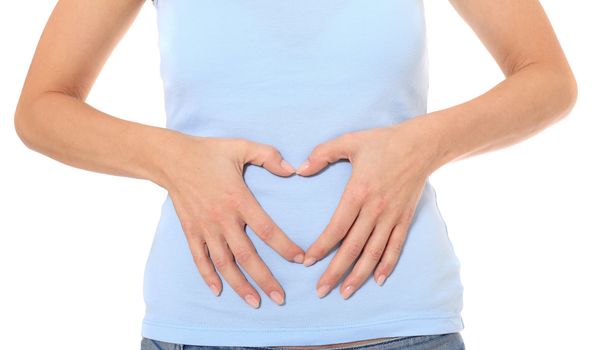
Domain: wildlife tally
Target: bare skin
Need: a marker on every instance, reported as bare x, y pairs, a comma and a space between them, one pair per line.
389, 165
53, 118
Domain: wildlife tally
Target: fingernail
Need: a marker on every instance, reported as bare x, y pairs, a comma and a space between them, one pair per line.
323, 290
309, 261
277, 297
287, 166
381, 280
347, 291
303, 167
251, 300
214, 289
299, 258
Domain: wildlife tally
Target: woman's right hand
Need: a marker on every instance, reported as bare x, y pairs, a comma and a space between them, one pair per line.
206, 184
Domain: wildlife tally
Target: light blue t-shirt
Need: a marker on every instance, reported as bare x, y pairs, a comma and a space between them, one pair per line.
294, 74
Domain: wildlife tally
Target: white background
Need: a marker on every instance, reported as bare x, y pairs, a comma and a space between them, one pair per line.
73, 243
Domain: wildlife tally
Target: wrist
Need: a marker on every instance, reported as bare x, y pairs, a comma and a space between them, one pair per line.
167, 146
438, 137
432, 139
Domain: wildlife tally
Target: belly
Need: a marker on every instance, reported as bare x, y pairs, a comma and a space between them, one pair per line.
425, 281
341, 66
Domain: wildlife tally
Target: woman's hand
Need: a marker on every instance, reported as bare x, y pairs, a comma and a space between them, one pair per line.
213, 204
389, 169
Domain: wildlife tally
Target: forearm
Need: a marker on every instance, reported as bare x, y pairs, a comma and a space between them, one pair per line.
68, 130
523, 104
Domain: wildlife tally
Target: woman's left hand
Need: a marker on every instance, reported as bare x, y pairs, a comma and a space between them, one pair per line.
389, 169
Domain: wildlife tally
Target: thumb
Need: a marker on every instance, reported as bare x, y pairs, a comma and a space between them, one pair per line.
268, 157
324, 154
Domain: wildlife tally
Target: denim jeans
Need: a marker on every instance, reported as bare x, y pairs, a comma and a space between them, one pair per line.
449, 341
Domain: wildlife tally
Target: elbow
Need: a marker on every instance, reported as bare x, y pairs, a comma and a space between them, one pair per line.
566, 91
24, 120
32, 115
20, 123
572, 91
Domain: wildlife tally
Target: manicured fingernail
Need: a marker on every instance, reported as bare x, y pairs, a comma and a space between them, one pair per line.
309, 261
251, 300
277, 297
381, 280
347, 291
299, 258
287, 166
214, 289
322, 290
303, 167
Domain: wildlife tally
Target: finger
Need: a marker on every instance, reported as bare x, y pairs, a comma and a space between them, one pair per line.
268, 157
339, 224
392, 251
261, 223
247, 256
348, 252
370, 257
223, 260
326, 153
200, 254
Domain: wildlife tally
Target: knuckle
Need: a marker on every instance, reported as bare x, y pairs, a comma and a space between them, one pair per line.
379, 205
266, 281
349, 136
408, 215
241, 142
334, 275
376, 253
193, 228
356, 277
387, 264
244, 255
317, 252
317, 150
384, 268
267, 230
188, 226
220, 262
288, 251
245, 150
198, 258
396, 248
358, 192
352, 250
215, 214
270, 151
344, 138
318, 153
234, 198
336, 231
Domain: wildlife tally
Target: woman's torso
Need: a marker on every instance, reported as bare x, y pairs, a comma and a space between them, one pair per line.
293, 75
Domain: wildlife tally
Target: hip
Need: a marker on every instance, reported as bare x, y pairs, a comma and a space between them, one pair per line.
447, 341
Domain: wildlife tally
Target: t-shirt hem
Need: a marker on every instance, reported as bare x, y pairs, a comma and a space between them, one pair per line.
192, 335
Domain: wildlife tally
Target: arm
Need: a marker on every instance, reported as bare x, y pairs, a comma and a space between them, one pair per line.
52, 117
539, 88
390, 164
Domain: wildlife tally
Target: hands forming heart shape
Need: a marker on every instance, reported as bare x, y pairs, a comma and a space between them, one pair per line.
389, 168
